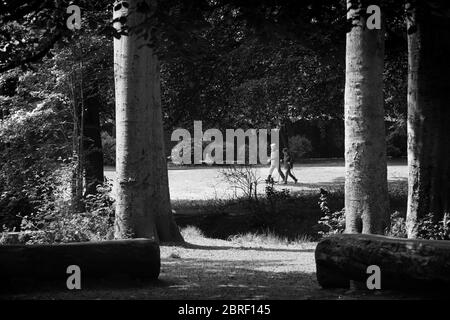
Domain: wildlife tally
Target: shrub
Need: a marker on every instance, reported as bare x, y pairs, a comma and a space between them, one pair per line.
13, 206
300, 146
330, 222
62, 225
397, 226
428, 228
396, 139
275, 197
244, 178
109, 149
267, 211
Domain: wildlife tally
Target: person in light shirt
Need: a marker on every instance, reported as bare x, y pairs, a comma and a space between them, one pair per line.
274, 163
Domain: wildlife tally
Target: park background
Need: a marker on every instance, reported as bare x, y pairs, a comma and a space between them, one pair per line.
229, 65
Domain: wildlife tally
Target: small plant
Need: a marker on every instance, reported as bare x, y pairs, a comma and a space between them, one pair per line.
398, 226
275, 197
192, 233
63, 225
266, 212
330, 222
431, 230
244, 178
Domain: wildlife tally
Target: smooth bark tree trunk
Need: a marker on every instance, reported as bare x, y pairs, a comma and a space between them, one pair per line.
428, 113
92, 145
366, 195
142, 191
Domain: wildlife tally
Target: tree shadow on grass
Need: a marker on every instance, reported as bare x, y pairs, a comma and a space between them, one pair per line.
336, 183
261, 279
189, 279
57, 289
188, 245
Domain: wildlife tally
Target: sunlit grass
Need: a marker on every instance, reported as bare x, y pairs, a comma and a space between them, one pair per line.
266, 238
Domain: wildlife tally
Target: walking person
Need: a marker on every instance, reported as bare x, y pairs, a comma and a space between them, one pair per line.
288, 162
274, 163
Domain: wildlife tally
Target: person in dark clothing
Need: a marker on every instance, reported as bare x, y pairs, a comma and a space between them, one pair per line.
288, 165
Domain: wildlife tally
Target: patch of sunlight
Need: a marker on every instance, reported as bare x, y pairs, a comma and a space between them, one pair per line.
267, 239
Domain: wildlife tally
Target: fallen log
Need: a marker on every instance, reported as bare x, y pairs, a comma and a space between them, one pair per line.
137, 258
404, 263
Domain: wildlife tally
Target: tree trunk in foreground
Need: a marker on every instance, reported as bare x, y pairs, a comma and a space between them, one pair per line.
428, 114
142, 192
366, 196
404, 264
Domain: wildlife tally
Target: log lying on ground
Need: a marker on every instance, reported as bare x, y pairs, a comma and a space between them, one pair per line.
404, 263
137, 258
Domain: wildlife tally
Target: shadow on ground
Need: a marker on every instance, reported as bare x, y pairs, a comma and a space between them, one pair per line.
215, 272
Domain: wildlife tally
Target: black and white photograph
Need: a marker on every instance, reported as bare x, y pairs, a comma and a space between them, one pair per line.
222, 155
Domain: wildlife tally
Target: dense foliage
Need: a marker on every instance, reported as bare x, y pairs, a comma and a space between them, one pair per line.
231, 64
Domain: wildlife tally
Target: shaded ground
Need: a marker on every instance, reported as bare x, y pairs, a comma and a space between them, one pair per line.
200, 183
217, 269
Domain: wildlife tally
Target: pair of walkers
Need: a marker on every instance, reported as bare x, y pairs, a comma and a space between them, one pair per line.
275, 163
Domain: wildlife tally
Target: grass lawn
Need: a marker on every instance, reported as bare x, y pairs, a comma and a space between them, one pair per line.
206, 183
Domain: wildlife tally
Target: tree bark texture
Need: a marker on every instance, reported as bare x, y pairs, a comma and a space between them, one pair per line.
366, 195
142, 191
428, 113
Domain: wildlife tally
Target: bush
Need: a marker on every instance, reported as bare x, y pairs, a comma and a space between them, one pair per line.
396, 139
300, 146
398, 226
13, 206
267, 211
62, 225
330, 222
109, 149
334, 222
244, 178
429, 229
275, 197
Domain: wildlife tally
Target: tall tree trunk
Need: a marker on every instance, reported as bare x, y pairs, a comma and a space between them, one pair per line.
142, 192
77, 172
428, 112
366, 196
92, 146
